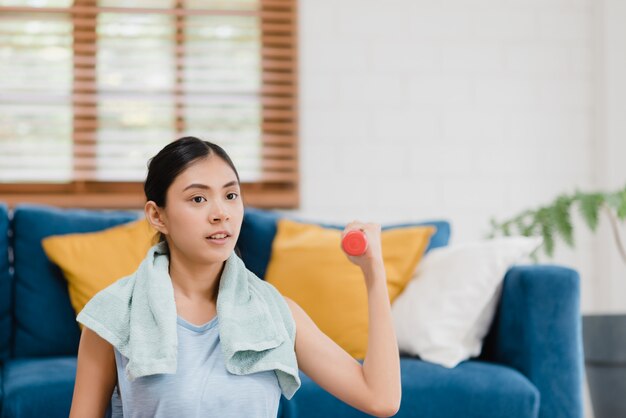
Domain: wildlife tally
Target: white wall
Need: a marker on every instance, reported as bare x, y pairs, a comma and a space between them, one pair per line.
460, 110
611, 155
463, 110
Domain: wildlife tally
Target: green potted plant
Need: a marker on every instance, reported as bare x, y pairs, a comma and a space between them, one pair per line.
604, 336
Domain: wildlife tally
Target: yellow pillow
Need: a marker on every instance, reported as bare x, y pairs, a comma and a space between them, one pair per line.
92, 261
308, 265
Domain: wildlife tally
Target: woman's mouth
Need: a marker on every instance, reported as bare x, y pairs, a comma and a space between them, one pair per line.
218, 239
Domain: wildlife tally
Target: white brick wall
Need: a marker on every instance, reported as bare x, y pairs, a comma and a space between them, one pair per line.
611, 149
459, 109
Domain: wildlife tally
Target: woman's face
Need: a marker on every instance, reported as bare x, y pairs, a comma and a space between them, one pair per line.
203, 200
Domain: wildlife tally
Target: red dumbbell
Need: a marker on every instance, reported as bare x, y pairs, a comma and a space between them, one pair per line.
354, 243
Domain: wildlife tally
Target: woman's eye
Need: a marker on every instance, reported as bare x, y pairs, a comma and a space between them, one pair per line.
230, 194
195, 199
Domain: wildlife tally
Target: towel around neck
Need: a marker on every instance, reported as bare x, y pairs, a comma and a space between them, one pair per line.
137, 315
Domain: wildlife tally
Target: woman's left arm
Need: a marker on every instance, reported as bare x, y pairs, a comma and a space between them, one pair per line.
381, 366
374, 387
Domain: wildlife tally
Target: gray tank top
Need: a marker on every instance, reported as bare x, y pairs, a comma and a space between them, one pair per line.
201, 386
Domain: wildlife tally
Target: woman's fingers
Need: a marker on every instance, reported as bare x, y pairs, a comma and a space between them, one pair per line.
363, 226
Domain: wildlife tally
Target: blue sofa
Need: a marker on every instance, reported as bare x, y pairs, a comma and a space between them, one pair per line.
531, 364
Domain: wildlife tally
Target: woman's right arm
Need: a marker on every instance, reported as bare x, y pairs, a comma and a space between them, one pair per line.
96, 376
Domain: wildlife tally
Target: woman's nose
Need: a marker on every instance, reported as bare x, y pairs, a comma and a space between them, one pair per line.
218, 212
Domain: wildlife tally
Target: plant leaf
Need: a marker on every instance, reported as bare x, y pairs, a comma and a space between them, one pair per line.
529, 229
621, 207
589, 205
561, 217
556, 217
544, 221
521, 227
494, 228
548, 240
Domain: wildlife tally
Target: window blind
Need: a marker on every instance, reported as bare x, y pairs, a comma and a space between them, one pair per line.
90, 90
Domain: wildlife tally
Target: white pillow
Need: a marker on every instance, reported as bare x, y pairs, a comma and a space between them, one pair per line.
447, 307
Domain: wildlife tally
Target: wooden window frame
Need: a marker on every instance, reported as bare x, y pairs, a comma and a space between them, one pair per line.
279, 183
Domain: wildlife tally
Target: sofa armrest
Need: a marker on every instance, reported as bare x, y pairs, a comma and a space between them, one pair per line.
1, 386
537, 330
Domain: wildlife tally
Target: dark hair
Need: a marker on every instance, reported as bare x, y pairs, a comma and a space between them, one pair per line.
172, 160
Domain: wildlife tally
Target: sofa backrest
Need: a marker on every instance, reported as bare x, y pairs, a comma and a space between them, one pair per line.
6, 320
259, 228
45, 323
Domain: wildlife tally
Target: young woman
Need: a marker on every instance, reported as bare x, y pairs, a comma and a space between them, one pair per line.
192, 188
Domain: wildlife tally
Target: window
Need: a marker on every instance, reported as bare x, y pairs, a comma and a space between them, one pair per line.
90, 90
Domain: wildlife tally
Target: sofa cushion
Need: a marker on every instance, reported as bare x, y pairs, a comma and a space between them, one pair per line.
45, 321
85, 259
5, 286
309, 266
38, 387
259, 228
432, 330
473, 388
255, 238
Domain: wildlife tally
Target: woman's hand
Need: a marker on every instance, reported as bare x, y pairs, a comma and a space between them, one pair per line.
372, 260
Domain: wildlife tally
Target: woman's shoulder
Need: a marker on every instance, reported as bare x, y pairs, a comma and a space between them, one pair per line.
109, 306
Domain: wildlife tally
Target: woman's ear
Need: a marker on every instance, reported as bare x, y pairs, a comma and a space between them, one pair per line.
155, 216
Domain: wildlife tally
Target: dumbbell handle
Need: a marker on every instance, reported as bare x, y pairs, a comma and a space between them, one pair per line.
354, 243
